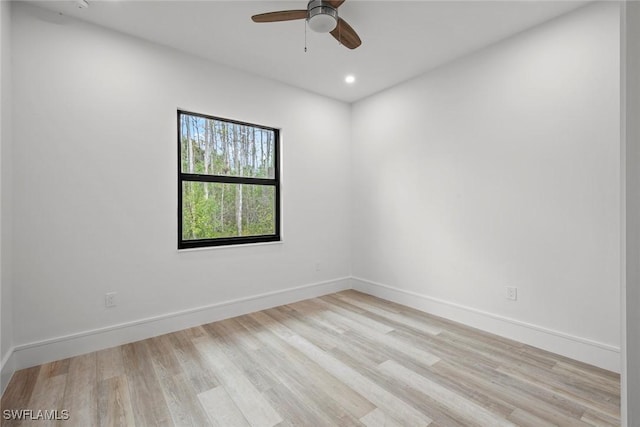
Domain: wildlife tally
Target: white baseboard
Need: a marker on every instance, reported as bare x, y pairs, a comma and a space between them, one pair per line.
45, 351
585, 350
35, 353
7, 369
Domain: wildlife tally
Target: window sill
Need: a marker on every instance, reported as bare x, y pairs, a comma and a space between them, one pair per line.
242, 245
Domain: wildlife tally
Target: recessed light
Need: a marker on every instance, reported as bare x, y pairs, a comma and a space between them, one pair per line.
350, 79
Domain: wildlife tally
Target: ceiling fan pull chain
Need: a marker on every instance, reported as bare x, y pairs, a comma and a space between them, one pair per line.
305, 36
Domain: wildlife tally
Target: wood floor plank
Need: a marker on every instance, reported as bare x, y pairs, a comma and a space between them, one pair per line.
380, 397
497, 352
491, 350
289, 316
221, 409
445, 324
240, 345
306, 309
109, 363
19, 391
234, 331
526, 419
592, 378
377, 418
114, 402
292, 395
531, 400
195, 333
366, 351
147, 399
446, 347
58, 367
567, 391
47, 396
382, 338
255, 408
182, 400
80, 396
472, 413
599, 419
299, 411
197, 369
306, 378
163, 357
358, 316
454, 383
438, 413
346, 359
178, 391
400, 318
371, 300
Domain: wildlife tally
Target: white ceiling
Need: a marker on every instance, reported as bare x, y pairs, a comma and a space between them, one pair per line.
401, 39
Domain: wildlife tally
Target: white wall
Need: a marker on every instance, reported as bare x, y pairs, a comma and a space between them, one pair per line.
502, 169
499, 169
631, 129
6, 305
95, 181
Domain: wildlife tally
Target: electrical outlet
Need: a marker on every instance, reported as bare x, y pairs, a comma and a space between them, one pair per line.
512, 293
317, 266
110, 299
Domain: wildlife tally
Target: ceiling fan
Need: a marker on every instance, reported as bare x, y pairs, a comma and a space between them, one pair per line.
322, 17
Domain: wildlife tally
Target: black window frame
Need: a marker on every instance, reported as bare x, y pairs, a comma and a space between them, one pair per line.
188, 177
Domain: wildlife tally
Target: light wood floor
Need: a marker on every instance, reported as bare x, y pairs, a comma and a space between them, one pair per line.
344, 359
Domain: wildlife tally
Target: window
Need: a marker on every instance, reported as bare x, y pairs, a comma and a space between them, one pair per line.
228, 182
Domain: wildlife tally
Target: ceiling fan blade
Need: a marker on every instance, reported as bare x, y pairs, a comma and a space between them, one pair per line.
283, 15
334, 3
346, 35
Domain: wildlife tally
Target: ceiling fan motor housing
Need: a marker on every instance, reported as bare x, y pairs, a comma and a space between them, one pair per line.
321, 18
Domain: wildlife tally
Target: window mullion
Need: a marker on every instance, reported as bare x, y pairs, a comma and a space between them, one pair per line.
226, 179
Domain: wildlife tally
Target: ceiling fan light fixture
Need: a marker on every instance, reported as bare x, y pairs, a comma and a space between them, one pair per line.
322, 18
